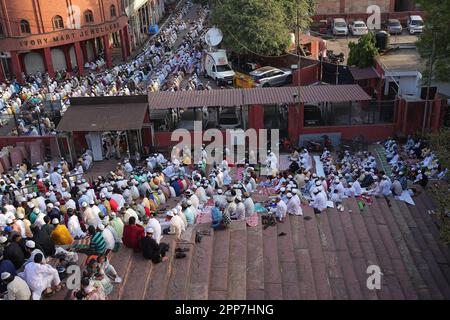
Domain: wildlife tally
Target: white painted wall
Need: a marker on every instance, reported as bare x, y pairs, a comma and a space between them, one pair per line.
34, 62
409, 82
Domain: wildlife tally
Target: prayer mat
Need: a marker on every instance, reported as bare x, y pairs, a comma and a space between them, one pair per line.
239, 173
252, 221
205, 215
259, 208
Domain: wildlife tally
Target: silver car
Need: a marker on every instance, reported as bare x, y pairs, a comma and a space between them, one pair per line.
394, 26
271, 77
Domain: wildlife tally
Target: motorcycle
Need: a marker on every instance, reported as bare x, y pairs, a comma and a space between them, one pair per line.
318, 146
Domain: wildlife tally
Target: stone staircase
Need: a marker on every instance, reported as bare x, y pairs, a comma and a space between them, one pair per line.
325, 257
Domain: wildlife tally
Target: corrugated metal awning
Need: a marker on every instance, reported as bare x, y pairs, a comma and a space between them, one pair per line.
262, 96
364, 73
103, 117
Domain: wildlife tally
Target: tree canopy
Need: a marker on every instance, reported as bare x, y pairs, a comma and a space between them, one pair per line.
436, 26
363, 52
259, 26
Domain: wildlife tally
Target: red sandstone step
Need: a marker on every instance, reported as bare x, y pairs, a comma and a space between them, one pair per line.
272, 274
255, 262
332, 236
433, 244
362, 252
321, 282
424, 203
286, 257
390, 282
352, 281
307, 289
156, 288
217, 295
406, 257
177, 287
121, 261
416, 252
299, 240
237, 264
135, 285
201, 265
218, 285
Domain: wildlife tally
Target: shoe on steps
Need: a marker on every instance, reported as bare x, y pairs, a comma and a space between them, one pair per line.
282, 234
181, 249
180, 255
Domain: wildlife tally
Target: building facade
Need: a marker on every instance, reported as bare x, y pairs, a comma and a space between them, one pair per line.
360, 6
48, 36
141, 14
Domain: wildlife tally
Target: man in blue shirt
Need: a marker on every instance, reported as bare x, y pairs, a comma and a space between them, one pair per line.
5, 266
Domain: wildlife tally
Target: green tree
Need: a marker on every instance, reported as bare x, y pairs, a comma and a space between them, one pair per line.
304, 8
261, 26
363, 52
440, 190
435, 35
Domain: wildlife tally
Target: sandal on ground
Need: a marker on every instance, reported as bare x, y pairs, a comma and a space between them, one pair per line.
59, 287
48, 293
181, 249
282, 234
180, 255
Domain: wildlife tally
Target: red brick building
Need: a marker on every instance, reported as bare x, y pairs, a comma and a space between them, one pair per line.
352, 10
38, 35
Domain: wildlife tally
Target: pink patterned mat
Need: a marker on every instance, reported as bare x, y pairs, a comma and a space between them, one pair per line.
205, 215
252, 221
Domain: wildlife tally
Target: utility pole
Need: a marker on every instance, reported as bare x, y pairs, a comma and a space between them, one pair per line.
428, 108
299, 51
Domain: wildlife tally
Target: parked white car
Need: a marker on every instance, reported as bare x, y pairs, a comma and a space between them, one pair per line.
339, 27
415, 24
358, 28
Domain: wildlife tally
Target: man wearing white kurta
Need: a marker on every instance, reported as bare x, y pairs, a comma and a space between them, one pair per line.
249, 205
156, 226
281, 209
319, 202
74, 227
40, 276
293, 205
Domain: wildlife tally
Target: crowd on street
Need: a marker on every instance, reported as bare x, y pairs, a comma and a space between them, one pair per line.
165, 63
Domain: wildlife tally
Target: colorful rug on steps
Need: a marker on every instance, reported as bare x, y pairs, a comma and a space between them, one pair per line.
205, 217
383, 161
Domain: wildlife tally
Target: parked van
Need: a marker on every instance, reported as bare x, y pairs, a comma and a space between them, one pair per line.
415, 24
339, 27
216, 66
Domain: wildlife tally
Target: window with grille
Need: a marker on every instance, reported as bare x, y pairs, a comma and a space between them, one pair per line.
58, 23
25, 26
88, 16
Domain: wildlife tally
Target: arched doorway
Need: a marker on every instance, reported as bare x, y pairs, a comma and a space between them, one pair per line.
59, 59
73, 56
33, 62
90, 51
